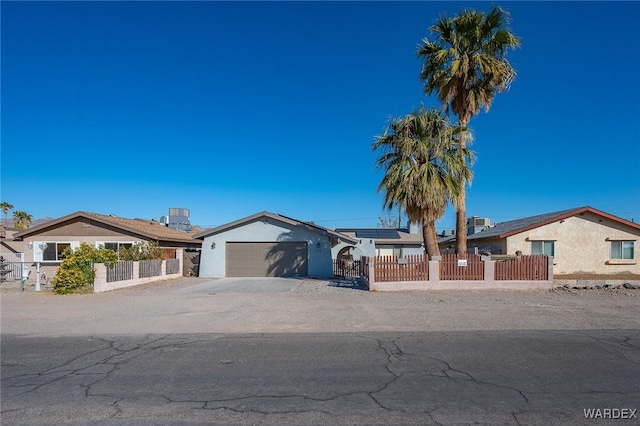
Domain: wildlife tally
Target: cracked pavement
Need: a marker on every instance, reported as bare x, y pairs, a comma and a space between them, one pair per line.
331, 376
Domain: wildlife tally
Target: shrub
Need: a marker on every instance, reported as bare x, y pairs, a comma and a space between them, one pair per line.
137, 252
76, 272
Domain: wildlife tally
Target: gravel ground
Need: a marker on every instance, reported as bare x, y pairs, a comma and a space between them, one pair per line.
313, 306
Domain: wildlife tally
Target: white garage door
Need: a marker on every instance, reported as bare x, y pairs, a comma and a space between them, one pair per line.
266, 259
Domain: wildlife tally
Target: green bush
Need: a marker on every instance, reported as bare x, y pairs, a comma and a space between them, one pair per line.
137, 252
76, 273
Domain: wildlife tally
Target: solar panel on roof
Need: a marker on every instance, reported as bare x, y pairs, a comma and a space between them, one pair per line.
377, 233
388, 233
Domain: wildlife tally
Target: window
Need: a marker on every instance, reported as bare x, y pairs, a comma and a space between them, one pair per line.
389, 250
622, 250
543, 247
54, 251
115, 246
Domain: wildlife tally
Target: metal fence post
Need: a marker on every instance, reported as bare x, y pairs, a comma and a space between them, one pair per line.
37, 276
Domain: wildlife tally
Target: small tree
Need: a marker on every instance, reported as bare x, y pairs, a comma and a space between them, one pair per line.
76, 272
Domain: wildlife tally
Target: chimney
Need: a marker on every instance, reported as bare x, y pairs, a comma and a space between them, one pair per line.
414, 228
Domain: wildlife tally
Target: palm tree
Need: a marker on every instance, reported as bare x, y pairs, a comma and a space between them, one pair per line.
21, 219
466, 67
5, 210
423, 168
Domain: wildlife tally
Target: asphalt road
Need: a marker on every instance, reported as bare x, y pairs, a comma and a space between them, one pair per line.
549, 375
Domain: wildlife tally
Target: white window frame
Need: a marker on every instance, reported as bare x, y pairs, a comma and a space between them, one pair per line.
621, 244
384, 248
38, 253
542, 246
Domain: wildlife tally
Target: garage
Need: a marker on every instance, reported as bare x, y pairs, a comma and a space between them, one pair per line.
266, 259
268, 245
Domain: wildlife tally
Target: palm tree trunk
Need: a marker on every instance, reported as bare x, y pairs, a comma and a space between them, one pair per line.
461, 199
430, 239
461, 221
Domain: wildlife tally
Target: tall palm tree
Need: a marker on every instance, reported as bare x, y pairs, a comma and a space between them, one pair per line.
423, 168
466, 66
21, 219
5, 210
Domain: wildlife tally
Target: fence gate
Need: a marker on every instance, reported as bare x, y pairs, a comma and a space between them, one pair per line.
408, 268
469, 268
528, 268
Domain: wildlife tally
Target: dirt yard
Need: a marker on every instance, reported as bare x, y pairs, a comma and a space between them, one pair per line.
314, 306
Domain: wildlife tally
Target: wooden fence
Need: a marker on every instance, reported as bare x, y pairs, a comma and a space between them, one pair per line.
127, 274
172, 266
150, 268
527, 268
168, 253
454, 268
394, 268
121, 271
468, 268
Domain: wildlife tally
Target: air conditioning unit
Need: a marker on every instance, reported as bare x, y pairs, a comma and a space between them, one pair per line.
480, 222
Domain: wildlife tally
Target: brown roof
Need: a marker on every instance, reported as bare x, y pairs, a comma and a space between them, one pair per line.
146, 228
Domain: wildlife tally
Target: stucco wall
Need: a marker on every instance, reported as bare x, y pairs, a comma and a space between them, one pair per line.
581, 244
416, 249
366, 247
213, 260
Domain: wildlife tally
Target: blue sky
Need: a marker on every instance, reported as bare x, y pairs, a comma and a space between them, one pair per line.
231, 108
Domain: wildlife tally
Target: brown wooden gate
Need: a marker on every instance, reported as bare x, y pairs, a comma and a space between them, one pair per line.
469, 267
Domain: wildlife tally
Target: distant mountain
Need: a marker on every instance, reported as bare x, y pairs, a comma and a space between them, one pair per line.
41, 221
36, 222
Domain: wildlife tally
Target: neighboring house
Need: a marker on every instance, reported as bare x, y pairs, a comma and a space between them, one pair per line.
266, 245
94, 229
583, 240
381, 242
10, 250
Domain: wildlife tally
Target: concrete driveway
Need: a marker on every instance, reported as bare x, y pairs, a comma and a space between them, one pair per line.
246, 285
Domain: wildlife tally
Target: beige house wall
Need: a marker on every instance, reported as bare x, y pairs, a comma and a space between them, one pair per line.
81, 230
582, 244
